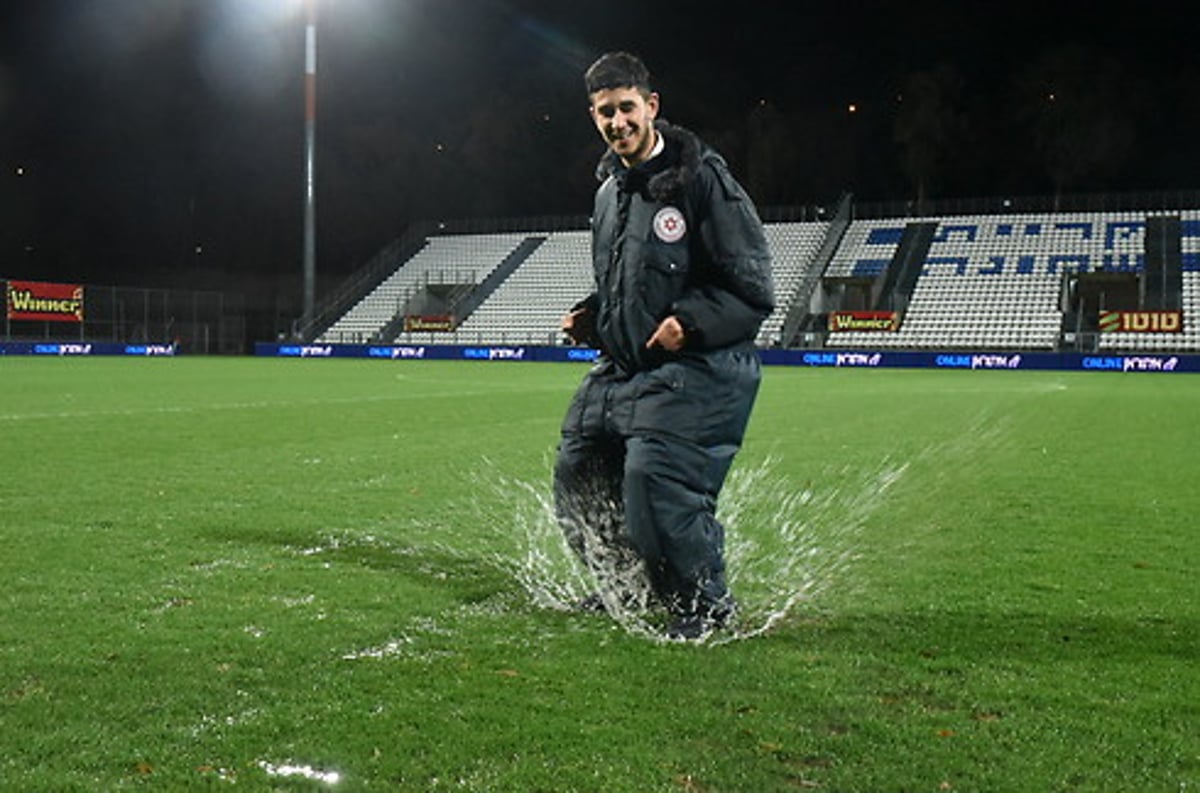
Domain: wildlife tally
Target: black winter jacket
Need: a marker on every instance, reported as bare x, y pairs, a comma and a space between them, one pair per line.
676, 235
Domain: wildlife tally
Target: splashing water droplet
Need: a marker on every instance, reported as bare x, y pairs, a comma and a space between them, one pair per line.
787, 545
784, 545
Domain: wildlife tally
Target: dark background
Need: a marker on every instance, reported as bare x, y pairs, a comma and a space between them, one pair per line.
160, 143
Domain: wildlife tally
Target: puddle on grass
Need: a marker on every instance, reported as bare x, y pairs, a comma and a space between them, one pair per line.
785, 544
407, 644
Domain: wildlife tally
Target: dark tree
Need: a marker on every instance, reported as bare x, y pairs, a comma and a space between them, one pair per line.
1080, 108
929, 126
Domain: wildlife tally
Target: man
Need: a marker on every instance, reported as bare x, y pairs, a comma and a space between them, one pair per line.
683, 281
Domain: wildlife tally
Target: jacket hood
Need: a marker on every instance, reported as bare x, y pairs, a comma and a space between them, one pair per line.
684, 150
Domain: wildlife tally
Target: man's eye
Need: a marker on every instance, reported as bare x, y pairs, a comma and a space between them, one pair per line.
607, 112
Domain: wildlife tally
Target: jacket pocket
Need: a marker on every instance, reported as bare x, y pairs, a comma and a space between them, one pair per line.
662, 284
659, 399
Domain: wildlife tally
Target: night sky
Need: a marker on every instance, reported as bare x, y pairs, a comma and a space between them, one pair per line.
160, 142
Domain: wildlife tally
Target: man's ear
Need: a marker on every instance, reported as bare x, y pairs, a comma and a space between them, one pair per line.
652, 103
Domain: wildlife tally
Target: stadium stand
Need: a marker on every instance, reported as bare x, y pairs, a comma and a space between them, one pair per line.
529, 305
1188, 338
986, 281
1030, 281
1003, 282
794, 249
443, 261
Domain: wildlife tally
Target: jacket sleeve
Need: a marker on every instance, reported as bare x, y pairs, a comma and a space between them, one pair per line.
590, 303
585, 330
730, 298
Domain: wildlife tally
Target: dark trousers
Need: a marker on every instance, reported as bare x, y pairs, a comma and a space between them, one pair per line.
640, 465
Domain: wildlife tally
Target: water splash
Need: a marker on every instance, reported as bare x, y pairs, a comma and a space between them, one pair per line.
785, 544
548, 570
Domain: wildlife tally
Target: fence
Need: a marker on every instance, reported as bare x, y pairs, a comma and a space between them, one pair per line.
198, 322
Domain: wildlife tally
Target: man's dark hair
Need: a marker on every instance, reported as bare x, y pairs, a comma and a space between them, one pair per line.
617, 70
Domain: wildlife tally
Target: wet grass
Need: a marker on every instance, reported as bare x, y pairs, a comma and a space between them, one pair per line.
236, 573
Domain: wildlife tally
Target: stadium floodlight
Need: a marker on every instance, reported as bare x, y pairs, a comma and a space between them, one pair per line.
257, 14
310, 123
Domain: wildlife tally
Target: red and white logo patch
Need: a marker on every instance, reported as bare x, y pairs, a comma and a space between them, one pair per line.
669, 225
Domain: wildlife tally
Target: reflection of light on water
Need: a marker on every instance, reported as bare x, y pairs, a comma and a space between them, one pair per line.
303, 771
385, 650
784, 545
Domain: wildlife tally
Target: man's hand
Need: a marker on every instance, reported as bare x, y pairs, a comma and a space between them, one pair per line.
669, 335
580, 325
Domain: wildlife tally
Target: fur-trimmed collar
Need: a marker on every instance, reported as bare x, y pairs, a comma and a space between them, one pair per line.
664, 180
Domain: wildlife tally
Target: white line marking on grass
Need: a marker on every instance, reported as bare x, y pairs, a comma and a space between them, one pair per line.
1034, 387
256, 405
252, 405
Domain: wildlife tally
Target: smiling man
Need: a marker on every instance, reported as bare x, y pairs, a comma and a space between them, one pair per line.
625, 117
683, 281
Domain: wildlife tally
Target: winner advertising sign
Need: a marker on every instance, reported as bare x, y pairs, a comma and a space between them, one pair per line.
43, 302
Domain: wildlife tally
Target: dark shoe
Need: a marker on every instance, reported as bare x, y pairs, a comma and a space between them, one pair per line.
696, 626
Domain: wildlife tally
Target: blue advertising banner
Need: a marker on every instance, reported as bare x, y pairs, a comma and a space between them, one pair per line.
1061, 361
429, 352
859, 359
844, 359
84, 348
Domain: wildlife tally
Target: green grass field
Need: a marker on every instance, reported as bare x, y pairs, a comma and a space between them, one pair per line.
259, 574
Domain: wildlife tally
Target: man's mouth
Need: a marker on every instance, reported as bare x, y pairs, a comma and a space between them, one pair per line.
620, 136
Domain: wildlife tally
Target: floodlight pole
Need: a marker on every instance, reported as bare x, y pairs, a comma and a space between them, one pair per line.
310, 123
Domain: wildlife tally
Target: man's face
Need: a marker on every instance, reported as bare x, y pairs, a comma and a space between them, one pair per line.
625, 119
